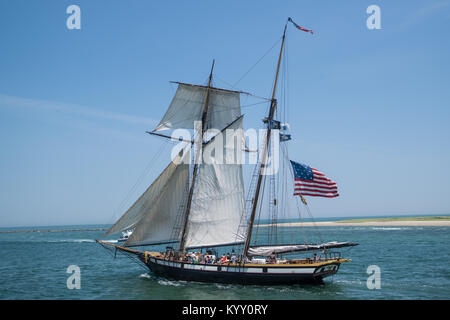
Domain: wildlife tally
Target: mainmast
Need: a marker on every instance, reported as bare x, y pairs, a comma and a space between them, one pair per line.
197, 156
273, 106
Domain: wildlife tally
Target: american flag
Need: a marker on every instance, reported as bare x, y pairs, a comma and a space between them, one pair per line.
311, 182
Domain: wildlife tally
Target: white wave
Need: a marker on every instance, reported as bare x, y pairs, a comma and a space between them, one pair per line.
71, 240
223, 286
83, 240
388, 228
171, 283
111, 241
163, 282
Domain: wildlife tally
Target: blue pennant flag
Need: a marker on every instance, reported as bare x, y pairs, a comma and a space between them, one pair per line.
284, 137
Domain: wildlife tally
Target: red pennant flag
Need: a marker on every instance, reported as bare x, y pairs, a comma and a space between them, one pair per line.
300, 28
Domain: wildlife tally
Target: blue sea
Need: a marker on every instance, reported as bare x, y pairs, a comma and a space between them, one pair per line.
413, 262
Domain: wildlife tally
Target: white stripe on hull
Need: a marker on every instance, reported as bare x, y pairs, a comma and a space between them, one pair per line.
232, 269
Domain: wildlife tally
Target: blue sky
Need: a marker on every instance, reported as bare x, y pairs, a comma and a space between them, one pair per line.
370, 108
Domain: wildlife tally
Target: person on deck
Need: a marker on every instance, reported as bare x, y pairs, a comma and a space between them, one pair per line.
272, 258
233, 257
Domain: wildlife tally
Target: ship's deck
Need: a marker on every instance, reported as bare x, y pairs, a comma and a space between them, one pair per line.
281, 263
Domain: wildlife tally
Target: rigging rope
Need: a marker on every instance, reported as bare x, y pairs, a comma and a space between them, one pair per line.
144, 173
248, 71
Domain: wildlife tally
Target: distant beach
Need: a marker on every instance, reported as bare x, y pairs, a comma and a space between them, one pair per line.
431, 221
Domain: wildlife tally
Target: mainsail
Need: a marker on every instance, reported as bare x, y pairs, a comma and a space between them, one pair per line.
218, 202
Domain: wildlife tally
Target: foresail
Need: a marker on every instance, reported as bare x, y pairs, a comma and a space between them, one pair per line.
187, 107
160, 216
218, 201
142, 205
268, 250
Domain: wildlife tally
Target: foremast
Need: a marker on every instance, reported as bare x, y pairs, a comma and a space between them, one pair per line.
273, 106
197, 157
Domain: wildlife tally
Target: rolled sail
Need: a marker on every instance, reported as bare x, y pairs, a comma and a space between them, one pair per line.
268, 250
187, 107
218, 201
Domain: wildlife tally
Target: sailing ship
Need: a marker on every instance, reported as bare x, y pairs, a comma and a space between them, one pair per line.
201, 205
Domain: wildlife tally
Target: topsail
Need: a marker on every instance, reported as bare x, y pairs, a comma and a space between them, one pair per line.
187, 107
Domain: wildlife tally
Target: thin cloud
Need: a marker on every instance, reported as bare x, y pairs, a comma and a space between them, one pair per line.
7, 101
424, 12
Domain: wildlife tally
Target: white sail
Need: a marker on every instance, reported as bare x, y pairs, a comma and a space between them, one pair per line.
187, 107
159, 218
142, 205
218, 201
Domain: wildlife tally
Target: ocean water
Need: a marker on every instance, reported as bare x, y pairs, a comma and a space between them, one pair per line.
414, 264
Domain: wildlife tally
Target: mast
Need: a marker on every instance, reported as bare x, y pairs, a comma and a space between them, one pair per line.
273, 106
197, 155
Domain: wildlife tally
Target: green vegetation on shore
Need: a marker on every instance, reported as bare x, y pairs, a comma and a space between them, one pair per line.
428, 218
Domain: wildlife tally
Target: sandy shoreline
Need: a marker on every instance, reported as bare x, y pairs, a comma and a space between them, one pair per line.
403, 223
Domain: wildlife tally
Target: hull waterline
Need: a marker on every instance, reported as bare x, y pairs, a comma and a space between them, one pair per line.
242, 274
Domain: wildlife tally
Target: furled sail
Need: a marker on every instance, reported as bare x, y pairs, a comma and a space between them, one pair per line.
268, 250
160, 216
187, 107
218, 201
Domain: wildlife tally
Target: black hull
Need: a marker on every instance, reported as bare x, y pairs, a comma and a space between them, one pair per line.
181, 271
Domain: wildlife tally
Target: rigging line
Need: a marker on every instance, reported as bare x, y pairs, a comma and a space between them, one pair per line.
134, 259
245, 74
247, 94
144, 173
296, 198
314, 223
217, 110
227, 83
283, 186
258, 219
260, 205
252, 104
287, 80
273, 206
225, 109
